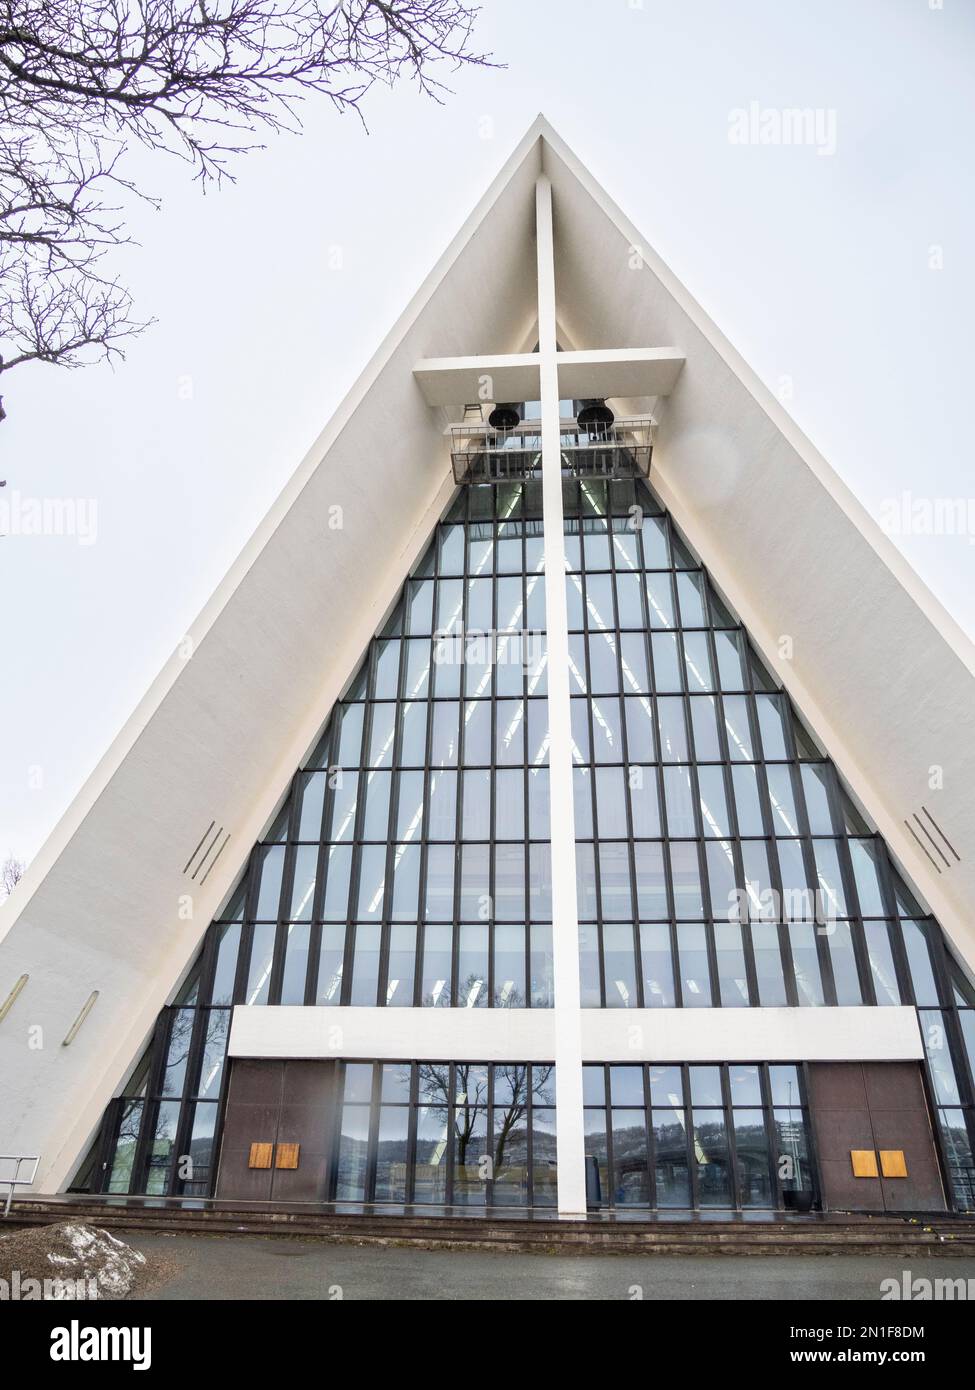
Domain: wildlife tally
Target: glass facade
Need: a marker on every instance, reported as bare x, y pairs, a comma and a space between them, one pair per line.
412, 866
719, 861
675, 1137
459, 1134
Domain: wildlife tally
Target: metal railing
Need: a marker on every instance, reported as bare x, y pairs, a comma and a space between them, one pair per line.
16, 1179
483, 455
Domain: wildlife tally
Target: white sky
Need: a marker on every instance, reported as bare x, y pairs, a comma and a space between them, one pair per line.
816, 267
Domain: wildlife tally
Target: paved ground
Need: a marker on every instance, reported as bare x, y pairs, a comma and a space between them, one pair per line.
228, 1267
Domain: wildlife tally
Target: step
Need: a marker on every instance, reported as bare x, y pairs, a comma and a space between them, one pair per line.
882, 1235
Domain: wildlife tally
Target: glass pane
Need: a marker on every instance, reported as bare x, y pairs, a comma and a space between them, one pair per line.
631, 1178
771, 722
749, 808
639, 729
402, 965
337, 868
262, 956
785, 820
611, 802
614, 881
178, 1051
705, 1085
226, 966
845, 974
344, 789
642, 782
817, 800
745, 1082
695, 977
671, 1175
829, 881
303, 886
598, 1186
295, 964
392, 1153
269, 892
752, 1159
350, 1183
919, 962
704, 726
330, 966
673, 730
542, 967
658, 970
660, 600
666, 1086
938, 1053
372, 881
737, 729
882, 967
732, 980
509, 967
590, 992
679, 798
865, 854
714, 807
432, 1138
666, 664
544, 1158
312, 801
768, 964
805, 963
791, 1151
620, 967
120, 1177
686, 879
437, 947
472, 968
365, 965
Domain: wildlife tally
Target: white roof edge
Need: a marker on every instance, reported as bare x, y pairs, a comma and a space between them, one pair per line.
125, 739
539, 133
953, 634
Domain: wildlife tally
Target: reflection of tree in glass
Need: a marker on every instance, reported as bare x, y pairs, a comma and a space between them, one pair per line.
470, 1096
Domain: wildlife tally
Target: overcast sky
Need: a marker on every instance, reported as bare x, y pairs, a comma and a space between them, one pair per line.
841, 269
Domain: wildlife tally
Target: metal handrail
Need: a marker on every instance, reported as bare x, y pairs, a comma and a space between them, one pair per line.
17, 1180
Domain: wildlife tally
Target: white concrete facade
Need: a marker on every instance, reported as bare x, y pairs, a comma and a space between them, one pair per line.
104, 907
604, 1035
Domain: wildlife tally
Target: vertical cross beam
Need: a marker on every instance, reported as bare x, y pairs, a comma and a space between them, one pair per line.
565, 914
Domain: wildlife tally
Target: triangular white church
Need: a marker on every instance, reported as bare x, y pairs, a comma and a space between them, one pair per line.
563, 803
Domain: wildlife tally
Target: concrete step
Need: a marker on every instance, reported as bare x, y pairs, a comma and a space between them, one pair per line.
814, 1235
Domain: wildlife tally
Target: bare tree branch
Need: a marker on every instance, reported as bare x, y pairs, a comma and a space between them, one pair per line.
200, 79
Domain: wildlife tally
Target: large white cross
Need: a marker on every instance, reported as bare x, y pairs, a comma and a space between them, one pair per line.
549, 375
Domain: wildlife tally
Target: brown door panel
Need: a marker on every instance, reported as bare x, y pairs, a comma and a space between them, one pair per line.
283, 1103
892, 1113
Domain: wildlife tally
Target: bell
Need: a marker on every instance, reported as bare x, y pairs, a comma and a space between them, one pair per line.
594, 415
506, 415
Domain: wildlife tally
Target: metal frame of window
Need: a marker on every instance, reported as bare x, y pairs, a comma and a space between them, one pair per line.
767, 1106
536, 1075
489, 506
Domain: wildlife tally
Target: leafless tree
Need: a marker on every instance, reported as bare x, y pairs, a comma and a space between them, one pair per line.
80, 80
10, 875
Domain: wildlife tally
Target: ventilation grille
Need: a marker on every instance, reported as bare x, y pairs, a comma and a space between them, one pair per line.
203, 858
933, 840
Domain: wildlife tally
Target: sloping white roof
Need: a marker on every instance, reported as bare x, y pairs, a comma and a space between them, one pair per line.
881, 672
